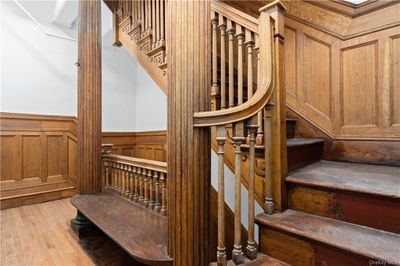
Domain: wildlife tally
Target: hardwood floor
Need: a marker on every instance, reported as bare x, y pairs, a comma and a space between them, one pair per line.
40, 235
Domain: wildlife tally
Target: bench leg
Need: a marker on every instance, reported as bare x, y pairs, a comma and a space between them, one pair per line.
81, 225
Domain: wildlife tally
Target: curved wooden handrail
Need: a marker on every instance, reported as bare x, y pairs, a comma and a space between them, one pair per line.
138, 162
266, 84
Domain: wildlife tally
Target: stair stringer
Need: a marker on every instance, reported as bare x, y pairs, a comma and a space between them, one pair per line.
126, 37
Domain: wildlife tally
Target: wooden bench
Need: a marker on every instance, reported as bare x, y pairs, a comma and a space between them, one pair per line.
139, 231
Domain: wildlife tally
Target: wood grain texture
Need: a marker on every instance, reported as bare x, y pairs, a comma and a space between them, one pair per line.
40, 235
89, 97
149, 145
189, 79
38, 158
139, 232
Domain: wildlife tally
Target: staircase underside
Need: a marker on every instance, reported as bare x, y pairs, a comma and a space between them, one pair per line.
141, 233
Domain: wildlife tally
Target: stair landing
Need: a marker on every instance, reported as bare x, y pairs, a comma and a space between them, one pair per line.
140, 232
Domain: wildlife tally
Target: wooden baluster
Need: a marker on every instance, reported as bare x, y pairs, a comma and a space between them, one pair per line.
146, 188
250, 45
269, 205
157, 206
222, 28
231, 73
162, 20
238, 139
251, 249
240, 38
214, 87
130, 13
221, 250
141, 185
118, 183
163, 194
146, 14
135, 183
151, 189
128, 182
153, 20
104, 175
131, 182
111, 188
157, 38
260, 131
123, 183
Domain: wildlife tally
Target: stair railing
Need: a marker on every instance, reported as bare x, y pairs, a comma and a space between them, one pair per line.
233, 30
141, 181
145, 22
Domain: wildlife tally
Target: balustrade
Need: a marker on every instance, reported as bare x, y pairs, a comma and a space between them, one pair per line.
244, 109
138, 180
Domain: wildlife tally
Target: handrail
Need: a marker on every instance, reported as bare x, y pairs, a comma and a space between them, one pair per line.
143, 163
265, 88
236, 15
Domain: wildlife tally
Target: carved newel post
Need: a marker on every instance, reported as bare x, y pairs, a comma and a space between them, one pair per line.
89, 104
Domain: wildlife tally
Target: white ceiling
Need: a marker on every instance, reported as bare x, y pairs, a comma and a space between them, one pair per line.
356, 1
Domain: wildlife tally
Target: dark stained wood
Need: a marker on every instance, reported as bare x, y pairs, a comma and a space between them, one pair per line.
89, 97
140, 232
363, 178
290, 127
356, 151
358, 208
358, 241
189, 79
302, 152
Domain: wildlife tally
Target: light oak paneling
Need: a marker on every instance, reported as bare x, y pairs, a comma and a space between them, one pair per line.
395, 73
38, 158
359, 96
149, 145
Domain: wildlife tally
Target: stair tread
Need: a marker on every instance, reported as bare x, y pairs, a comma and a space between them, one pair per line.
361, 240
295, 142
291, 119
363, 178
139, 231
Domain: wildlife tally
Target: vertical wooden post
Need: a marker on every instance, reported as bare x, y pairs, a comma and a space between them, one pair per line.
89, 97
278, 121
189, 80
89, 104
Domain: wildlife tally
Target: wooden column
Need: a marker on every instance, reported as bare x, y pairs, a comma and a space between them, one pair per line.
89, 107
89, 97
189, 80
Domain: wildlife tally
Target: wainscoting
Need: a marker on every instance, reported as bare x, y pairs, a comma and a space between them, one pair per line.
39, 153
38, 158
149, 145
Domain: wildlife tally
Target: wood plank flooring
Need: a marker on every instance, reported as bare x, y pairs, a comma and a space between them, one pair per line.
39, 234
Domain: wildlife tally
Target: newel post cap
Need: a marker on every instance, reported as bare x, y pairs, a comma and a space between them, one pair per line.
276, 5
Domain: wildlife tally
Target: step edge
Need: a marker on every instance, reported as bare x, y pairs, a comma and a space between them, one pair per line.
261, 221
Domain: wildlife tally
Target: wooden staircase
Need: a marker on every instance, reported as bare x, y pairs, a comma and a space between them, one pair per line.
320, 213
338, 213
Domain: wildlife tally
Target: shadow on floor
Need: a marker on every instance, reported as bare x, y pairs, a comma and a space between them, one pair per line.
104, 251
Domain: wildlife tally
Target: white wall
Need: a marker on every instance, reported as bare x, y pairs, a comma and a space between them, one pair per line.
38, 74
151, 103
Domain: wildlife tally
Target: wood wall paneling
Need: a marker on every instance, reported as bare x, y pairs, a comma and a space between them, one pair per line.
34, 152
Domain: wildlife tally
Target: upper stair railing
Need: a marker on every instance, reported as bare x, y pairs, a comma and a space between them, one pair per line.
232, 31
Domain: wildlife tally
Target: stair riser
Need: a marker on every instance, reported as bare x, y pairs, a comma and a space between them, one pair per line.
301, 156
363, 209
290, 129
298, 251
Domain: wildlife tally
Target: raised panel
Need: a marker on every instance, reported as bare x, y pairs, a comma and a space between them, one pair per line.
290, 61
317, 77
54, 155
31, 156
127, 151
72, 158
396, 80
359, 86
10, 158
